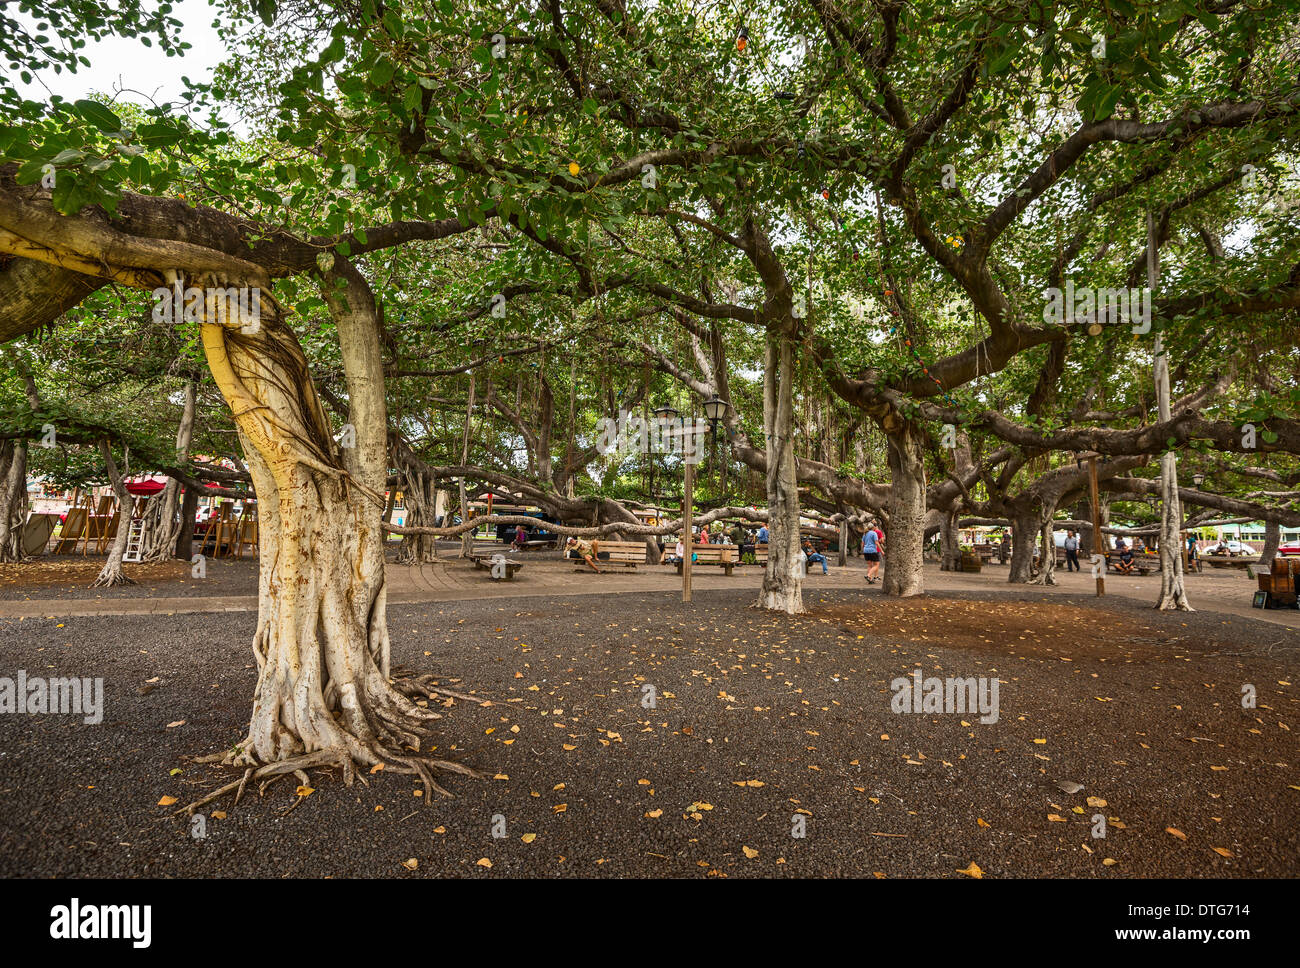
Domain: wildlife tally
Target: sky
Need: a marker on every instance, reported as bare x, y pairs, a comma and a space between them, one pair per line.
144, 72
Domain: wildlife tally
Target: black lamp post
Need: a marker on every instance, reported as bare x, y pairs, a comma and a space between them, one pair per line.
715, 409
1198, 479
664, 414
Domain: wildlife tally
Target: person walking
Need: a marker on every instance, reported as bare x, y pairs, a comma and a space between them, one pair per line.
871, 554
1071, 551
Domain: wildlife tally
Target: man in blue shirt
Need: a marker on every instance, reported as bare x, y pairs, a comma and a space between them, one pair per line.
762, 535
871, 554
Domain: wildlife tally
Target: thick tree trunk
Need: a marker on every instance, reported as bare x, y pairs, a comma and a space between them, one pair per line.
1272, 538
949, 545
13, 498
1024, 534
1173, 595
420, 497
13, 476
321, 644
905, 538
1046, 551
783, 579
185, 533
163, 517
111, 574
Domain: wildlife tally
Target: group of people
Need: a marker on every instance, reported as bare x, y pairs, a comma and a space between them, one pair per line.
873, 547
1124, 562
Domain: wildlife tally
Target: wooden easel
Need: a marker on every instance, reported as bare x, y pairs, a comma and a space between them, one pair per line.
99, 521
246, 531
218, 531
74, 527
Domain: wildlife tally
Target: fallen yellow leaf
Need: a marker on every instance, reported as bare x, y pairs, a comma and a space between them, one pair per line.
973, 871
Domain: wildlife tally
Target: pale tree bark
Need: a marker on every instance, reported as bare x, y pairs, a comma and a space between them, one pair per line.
949, 545
1272, 538
1024, 534
1047, 551
905, 529
323, 695
782, 580
13, 498
1173, 594
13, 477
163, 514
111, 574
466, 539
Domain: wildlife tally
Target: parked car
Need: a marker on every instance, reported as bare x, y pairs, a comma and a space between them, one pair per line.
1232, 548
1290, 549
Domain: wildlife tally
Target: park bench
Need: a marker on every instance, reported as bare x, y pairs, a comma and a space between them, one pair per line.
760, 553
497, 565
1143, 563
724, 556
629, 554
1225, 561
985, 551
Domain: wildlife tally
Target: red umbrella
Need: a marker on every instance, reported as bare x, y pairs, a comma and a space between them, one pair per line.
146, 487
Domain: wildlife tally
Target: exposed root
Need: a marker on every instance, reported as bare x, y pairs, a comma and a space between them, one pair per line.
397, 718
111, 580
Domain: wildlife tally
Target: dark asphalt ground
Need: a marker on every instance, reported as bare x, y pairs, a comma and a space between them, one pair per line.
763, 718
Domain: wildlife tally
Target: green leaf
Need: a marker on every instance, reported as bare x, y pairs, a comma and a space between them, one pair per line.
382, 73
1106, 102
98, 115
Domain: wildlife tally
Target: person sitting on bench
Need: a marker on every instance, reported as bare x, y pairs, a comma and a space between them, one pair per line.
1125, 564
521, 538
813, 557
678, 554
588, 550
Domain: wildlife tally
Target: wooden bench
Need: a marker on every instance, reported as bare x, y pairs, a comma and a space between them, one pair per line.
629, 554
724, 556
985, 551
1143, 563
1224, 561
490, 563
760, 553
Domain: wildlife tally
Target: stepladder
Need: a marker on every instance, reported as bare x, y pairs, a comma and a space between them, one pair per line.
135, 540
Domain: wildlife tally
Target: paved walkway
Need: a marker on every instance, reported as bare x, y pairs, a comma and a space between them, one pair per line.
456, 580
